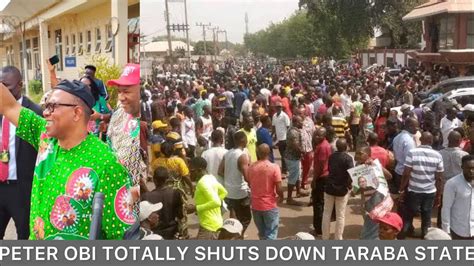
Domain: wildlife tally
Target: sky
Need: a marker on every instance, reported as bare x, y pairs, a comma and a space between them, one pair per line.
3, 4
228, 15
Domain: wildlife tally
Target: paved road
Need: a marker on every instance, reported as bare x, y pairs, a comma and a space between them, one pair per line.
292, 220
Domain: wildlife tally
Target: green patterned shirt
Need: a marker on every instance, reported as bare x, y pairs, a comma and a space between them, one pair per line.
65, 182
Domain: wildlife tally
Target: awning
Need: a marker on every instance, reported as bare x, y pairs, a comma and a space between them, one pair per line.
435, 7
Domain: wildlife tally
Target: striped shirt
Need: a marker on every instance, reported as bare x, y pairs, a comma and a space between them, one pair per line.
340, 126
424, 162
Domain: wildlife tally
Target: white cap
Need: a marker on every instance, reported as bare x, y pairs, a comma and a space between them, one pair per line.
146, 208
304, 236
436, 234
153, 237
233, 226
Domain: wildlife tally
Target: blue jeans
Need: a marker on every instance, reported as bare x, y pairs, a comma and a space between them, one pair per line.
370, 229
294, 170
415, 202
267, 223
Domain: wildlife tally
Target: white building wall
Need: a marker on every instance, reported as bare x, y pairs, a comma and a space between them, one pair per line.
380, 59
400, 58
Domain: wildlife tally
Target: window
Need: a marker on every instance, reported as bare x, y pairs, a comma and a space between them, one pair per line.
73, 48
28, 54
470, 32
67, 45
80, 50
58, 45
98, 40
446, 32
89, 42
108, 29
36, 53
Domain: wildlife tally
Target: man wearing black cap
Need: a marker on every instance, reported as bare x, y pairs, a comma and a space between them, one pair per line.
90, 71
72, 165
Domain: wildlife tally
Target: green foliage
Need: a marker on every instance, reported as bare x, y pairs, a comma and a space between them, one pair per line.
35, 90
290, 38
105, 72
404, 34
35, 86
336, 28
199, 48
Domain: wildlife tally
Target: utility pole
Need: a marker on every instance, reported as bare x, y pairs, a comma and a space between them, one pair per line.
187, 32
246, 24
214, 40
226, 42
168, 30
200, 24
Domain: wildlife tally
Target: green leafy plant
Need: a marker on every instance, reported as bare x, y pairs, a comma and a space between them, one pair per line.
105, 72
35, 90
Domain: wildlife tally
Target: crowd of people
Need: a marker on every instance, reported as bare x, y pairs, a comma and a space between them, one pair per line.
213, 135
58, 155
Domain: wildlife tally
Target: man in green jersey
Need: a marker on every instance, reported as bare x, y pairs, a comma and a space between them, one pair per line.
72, 165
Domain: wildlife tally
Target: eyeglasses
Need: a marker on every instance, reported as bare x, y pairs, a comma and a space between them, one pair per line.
52, 106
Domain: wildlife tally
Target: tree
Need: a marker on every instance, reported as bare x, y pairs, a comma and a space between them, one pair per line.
290, 38
199, 48
347, 25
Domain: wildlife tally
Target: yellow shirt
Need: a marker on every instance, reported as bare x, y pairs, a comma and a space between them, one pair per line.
174, 164
251, 144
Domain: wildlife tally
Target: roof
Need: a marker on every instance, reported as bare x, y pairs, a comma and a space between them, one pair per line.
162, 46
23, 10
435, 7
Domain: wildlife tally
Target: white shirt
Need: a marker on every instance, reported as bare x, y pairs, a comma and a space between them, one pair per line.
281, 123
234, 183
267, 93
188, 132
12, 175
346, 104
457, 213
207, 127
446, 127
214, 157
246, 106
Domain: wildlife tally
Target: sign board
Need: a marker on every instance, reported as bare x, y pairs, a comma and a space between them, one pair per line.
70, 61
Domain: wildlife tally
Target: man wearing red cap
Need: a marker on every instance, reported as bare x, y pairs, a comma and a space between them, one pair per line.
124, 128
390, 225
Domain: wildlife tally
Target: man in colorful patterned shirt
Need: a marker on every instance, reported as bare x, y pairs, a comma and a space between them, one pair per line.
72, 165
124, 128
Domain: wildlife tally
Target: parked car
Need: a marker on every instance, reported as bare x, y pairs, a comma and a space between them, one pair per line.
461, 96
445, 86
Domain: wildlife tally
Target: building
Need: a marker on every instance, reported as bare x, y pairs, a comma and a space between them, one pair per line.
448, 31
385, 57
160, 49
74, 30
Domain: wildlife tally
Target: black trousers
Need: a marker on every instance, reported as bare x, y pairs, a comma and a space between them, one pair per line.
282, 148
11, 207
317, 195
242, 210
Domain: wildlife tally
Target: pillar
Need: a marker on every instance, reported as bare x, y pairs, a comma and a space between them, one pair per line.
44, 55
120, 13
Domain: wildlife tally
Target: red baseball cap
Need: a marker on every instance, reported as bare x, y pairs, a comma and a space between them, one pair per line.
130, 76
392, 219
